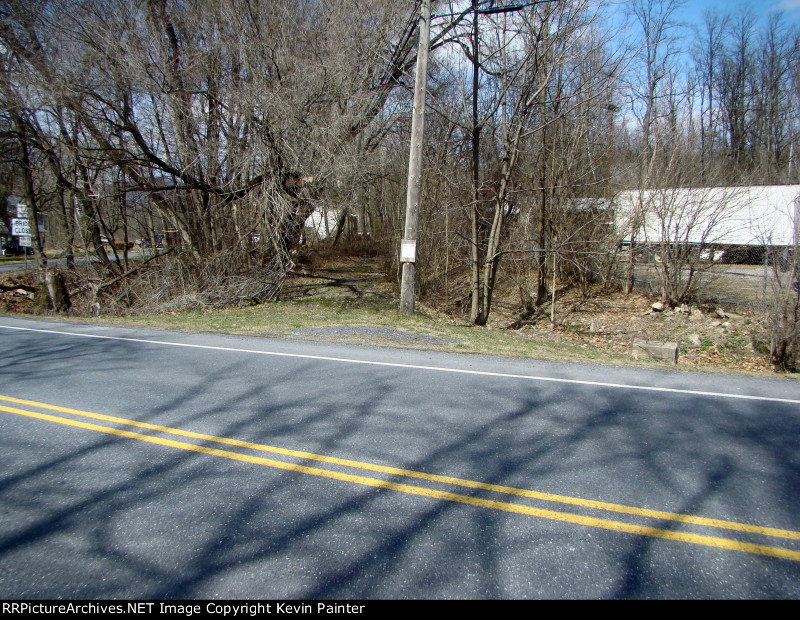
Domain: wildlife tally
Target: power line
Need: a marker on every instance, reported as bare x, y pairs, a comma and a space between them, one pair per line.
507, 8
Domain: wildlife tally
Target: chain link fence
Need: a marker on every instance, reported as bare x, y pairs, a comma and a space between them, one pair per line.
745, 278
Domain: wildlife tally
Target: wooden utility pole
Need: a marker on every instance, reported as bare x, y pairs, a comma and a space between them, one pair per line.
408, 247
476, 314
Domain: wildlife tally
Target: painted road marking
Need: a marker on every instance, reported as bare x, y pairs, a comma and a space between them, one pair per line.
484, 373
409, 473
697, 539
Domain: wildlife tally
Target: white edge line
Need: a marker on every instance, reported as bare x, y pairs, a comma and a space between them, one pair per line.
484, 373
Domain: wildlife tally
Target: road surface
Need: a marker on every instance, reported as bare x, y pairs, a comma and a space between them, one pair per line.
21, 265
154, 464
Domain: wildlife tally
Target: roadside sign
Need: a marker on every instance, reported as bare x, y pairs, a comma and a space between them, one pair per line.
20, 227
25, 242
22, 210
408, 250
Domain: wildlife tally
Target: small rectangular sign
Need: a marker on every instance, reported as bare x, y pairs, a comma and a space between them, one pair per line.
25, 242
22, 210
20, 227
408, 251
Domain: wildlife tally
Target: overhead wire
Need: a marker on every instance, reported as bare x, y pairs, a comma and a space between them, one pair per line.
492, 10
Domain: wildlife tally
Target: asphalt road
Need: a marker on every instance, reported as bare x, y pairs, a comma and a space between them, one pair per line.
17, 266
21, 265
154, 464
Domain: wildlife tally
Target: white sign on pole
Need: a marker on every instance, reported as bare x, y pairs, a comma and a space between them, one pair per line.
22, 210
20, 227
408, 251
25, 242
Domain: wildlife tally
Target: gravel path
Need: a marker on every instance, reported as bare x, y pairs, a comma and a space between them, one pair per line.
360, 332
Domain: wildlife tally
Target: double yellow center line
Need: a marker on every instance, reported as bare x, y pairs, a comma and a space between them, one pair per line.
567, 517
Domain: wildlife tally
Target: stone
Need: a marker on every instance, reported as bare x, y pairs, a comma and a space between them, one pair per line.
695, 315
658, 307
651, 349
695, 339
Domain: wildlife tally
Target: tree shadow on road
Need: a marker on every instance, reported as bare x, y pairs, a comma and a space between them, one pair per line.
86, 515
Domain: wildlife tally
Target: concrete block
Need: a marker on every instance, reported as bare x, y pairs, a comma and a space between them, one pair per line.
666, 351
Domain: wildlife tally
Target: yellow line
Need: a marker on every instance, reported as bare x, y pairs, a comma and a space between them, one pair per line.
696, 539
472, 484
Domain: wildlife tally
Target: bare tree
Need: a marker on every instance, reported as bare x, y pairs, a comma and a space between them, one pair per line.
655, 73
526, 76
681, 227
235, 118
707, 53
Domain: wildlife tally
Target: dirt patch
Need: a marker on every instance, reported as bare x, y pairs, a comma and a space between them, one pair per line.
14, 293
708, 337
351, 280
605, 321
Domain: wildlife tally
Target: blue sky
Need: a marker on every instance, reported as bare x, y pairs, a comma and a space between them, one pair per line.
693, 12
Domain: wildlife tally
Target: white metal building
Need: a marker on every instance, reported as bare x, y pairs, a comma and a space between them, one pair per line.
754, 215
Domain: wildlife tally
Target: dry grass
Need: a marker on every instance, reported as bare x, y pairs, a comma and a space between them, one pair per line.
599, 328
